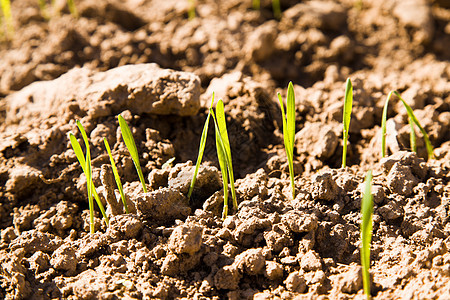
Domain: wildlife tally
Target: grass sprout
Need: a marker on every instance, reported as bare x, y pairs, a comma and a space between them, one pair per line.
168, 163
7, 18
224, 155
116, 175
201, 149
289, 131
366, 231
131, 145
412, 121
85, 163
346, 116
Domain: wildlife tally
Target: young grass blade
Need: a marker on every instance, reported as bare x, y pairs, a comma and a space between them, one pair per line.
116, 176
412, 136
366, 232
383, 125
90, 186
201, 150
222, 126
289, 131
81, 159
168, 163
411, 119
414, 119
131, 145
348, 102
222, 157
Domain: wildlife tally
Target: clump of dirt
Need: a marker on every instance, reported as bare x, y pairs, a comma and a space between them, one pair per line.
148, 62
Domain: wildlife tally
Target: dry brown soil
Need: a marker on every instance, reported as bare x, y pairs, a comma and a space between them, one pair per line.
147, 61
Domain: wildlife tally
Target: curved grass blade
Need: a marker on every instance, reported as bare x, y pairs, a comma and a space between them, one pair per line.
411, 119
347, 114
256, 4
88, 151
116, 175
414, 119
131, 145
222, 126
366, 231
412, 136
201, 150
289, 131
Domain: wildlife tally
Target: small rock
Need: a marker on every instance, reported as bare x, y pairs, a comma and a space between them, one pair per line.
186, 239
310, 261
251, 261
273, 271
295, 283
227, 278
316, 139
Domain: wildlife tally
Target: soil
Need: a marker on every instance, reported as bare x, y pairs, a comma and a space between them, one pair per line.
147, 61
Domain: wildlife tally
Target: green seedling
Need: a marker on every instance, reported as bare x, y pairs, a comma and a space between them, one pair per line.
131, 145
289, 130
366, 231
87, 169
256, 4
7, 18
412, 120
346, 116
116, 175
224, 155
201, 150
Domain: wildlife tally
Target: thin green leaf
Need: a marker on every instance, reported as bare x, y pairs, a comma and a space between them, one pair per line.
346, 116
72, 8
201, 150
414, 119
383, 125
256, 4
289, 131
116, 175
221, 123
168, 163
6, 11
366, 231
412, 135
223, 163
131, 145
191, 9
81, 159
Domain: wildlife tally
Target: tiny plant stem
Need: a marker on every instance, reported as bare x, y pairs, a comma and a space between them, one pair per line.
383, 125
289, 131
346, 116
116, 175
89, 185
276, 9
366, 232
131, 145
201, 150
412, 136
411, 119
43, 8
